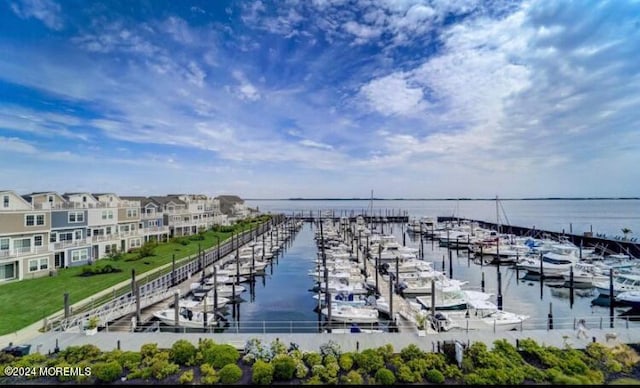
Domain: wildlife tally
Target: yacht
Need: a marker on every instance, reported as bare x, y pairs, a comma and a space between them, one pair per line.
480, 315
452, 299
621, 283
629, 298
585, 273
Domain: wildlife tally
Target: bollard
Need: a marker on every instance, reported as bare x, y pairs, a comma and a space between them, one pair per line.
118, 344
482, 283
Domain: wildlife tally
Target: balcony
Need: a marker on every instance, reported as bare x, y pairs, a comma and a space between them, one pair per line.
21, 252
150, 216
71, 244
155, 230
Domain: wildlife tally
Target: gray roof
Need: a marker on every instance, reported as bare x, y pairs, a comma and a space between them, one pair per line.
144, 201
227, 202
166, 199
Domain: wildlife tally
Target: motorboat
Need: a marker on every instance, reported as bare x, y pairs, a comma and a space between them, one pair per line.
629, 298
554, 263
585, 273
452, 299
480, 315
349, 314
621, 283
186, 318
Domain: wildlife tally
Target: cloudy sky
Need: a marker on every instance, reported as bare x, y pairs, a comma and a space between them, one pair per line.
313, 98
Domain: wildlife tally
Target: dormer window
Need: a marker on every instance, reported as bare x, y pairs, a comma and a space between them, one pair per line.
84, 198
5, 201
51, 198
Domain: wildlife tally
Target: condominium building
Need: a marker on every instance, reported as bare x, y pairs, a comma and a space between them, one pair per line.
42, 231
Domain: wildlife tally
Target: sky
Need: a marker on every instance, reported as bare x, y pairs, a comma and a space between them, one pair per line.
321, 98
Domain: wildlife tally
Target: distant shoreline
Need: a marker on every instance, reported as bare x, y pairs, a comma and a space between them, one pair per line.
448, 199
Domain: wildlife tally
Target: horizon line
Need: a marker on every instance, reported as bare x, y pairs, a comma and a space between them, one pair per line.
440, 199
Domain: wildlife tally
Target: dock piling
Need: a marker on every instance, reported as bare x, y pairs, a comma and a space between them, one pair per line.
550, 317
611, 298
482, 282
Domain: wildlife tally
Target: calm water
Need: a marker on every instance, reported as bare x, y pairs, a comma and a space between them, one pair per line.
601, 216
282, 295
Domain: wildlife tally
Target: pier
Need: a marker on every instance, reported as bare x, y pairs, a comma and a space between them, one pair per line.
606, 245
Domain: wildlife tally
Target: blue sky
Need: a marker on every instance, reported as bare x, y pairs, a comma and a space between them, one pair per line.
315, 98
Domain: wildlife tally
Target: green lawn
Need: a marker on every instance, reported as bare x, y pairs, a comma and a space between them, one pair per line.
25, 302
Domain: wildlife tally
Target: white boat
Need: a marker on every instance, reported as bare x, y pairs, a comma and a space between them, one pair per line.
480, 315
452, 299
200, 305
186, 318
585, 273
336, 286
554, 263
621, 283
226, 290
346, 313
423, 286
629, 298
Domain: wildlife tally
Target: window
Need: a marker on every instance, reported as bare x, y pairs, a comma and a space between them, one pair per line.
22, 245
53, 238
34, 219
5, 201
104, 214
76, 217
108, 230
38, 264
37, 241
135, 243
51, 198
132, 213
110, 248
124, 228
65, 236
77, 234
79, 255
110, 212
4, 244
84, 198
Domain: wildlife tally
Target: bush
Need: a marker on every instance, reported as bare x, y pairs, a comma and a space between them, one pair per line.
208, 374
149, 350
385, 377
411, 352
230, 374
277, 347
301, 369
75, 354
107, 371
405, 375
262, 373
312, 359
434, 376
330, 348
129, 360
346, 361
218, 355
352, 378
183, 352
385, 351
186, 377
147, 249
369, 360
160, 366
284, 367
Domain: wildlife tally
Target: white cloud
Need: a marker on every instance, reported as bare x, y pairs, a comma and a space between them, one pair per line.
315, 144
392, 95
246, 90
47, 11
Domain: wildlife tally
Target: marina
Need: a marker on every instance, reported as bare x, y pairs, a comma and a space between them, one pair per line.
319, 275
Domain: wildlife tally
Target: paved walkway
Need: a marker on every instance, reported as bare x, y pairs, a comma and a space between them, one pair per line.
46, 343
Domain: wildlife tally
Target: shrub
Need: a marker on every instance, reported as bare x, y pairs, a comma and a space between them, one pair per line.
209, 375
330, 347
329, 359
283, 367
262, 373
149, 350
312, 359
385, 351
75, 354
314, 380
183, 352
146, 250
107, 371
230, 374
186, 377
218, 355
346, 361
385, 377
160, 366
369, 360
352, 378
129, 360
434, 376
301, 369
277, 347
405, 375
254, 350
411, 352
